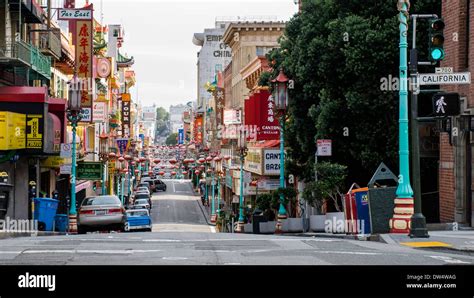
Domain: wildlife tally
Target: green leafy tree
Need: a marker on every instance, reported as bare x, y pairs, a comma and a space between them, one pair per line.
337, 52
162, 118
172, 139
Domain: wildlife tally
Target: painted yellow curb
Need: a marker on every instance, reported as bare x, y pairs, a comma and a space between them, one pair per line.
426, 244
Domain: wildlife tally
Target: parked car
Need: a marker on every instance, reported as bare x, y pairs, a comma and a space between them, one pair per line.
160, 185
151, 182
138, 219
142, 195
101, 212
142, 203
144, 189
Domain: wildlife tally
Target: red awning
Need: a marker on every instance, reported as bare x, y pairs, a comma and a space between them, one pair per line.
23, 94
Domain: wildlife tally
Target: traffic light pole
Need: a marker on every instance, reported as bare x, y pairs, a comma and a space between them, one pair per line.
418, 221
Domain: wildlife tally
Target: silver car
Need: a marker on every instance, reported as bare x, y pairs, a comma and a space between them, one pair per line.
101, 212
141, 203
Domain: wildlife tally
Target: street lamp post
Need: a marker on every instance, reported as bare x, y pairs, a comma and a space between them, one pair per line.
103, 155
400, 223
242, 152
280, 100
74, 115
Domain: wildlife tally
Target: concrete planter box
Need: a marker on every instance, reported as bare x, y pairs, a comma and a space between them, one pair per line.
267, 227
285, 225
295, 224
335, 220
248, 228
317, 223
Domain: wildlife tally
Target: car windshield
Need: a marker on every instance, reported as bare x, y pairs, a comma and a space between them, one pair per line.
141, 201
143, 188
138, 213
106, 200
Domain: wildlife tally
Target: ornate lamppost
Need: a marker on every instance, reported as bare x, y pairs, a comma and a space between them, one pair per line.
280, 100
74, 115
242, 147
104, 157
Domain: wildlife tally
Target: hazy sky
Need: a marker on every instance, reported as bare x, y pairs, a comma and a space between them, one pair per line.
158, 33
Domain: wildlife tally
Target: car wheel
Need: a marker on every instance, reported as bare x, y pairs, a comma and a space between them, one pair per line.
148, 230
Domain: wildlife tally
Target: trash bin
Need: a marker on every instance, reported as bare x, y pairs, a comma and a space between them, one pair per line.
382, 194
45, 210
257, 218
357, 210
61, 222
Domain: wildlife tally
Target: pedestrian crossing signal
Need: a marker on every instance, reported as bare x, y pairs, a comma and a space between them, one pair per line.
436, 43
446, 104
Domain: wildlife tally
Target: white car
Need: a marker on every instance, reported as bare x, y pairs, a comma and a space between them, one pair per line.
141, 203
143, 189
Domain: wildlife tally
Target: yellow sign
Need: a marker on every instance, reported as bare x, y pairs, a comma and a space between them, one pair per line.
126, 97
34, 135
12, 131
55, 162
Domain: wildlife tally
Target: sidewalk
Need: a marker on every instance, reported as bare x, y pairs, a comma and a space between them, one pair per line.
205, 210
462, 240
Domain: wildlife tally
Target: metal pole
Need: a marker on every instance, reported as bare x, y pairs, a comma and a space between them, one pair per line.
104, 178
282, 210
218, 194
73, 210
418, 221
241, 201
399, 223
213, 210
122, 188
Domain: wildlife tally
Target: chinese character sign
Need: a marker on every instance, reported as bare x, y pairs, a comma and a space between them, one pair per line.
84, 57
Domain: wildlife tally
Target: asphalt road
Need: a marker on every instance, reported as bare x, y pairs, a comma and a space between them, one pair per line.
181, 236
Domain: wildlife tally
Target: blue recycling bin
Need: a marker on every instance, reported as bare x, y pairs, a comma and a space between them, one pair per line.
61, 222
363, 210
45, 210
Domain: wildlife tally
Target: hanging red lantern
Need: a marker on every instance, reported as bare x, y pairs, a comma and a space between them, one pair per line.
185, 172
227, 157
173, 173
196, 172
157, 160
217, 158
202, 160
191, 160
128, 157
142, 159
112, 155
173, 161
161, 173
137, 171
121, 159
209, 159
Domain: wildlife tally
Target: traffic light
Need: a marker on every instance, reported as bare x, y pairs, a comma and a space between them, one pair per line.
436, 44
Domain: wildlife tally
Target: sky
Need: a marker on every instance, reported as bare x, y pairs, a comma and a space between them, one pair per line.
158, 34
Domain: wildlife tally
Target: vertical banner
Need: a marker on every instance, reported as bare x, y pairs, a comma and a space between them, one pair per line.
126, 114
180, 136
122, 145
84, 63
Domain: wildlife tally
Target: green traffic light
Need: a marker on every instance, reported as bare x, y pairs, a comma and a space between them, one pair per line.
437, 54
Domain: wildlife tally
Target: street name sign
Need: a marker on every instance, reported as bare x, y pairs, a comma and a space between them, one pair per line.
444, 70
457, 78
446, 104
324, 147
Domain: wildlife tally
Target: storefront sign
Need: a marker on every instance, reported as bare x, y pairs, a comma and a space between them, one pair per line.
12, 131
74, 14
84, 61
324, 147
34, 131
232, 117
65, 169
54, 162
253, 161
89, 171
125, 117
86, 115
198, 130
99, 112
259, 112
271, 162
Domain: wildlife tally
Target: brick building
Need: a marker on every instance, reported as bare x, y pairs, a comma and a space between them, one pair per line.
455, 166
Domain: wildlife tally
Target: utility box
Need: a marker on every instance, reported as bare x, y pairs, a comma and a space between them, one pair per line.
382, 194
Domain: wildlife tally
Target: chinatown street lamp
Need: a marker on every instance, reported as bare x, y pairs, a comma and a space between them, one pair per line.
103, 155
242, 147
218, 161
74, 115
280, 100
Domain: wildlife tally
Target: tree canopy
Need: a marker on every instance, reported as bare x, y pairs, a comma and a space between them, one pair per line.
172, 139
337, 52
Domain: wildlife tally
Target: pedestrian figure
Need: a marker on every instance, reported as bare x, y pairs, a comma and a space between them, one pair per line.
440, 103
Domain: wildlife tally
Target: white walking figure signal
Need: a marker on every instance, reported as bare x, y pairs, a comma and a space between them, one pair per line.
440, 103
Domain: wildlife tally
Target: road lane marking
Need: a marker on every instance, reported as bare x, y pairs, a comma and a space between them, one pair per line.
348, 252
81, 251
449, 260
231, 263
174, 258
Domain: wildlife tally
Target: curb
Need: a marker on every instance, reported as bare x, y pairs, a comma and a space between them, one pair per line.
204, 213
332, 236
40, 233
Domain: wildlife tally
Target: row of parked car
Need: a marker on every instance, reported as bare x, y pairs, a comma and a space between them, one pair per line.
108, 213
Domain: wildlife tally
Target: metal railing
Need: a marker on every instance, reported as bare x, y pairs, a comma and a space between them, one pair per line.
29, 55
50, 42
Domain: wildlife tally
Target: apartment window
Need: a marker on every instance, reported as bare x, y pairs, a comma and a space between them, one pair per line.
262, 51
